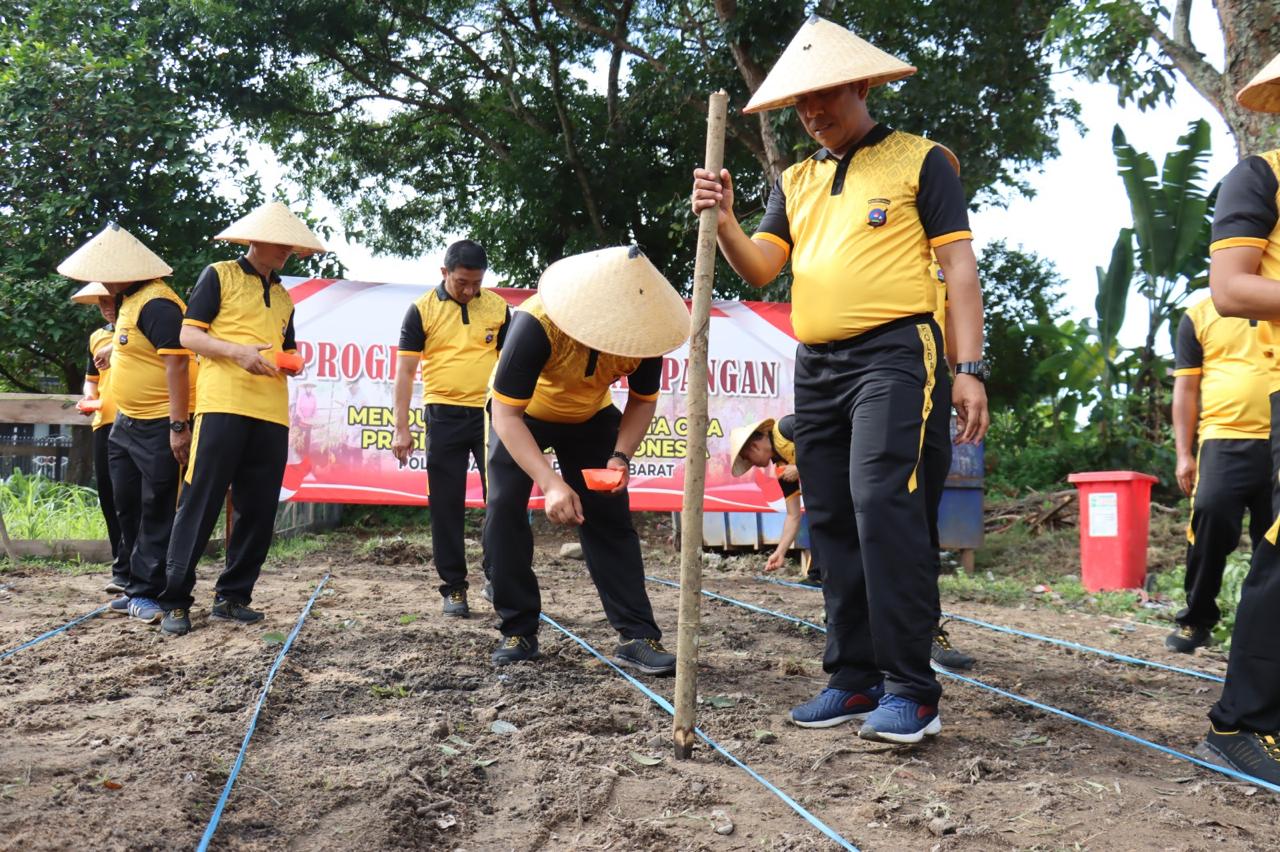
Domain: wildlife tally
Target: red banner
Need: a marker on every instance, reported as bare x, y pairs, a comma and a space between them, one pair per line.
342, 406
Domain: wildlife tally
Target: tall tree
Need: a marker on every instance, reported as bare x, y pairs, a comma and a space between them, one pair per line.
547, 129
1141, 46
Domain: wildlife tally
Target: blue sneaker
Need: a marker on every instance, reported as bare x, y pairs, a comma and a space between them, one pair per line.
833, 706
120, 605
145, 610
901, 720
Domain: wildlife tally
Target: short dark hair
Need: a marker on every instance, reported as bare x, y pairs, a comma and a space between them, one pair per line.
467, 254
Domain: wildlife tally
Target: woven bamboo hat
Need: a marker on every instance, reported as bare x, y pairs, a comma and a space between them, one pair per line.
738, 440
273, 223
90, 293
822, 55
114, 256
614, 300
1262, 93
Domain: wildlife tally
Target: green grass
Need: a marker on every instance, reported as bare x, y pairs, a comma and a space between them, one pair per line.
297, 547
38, 508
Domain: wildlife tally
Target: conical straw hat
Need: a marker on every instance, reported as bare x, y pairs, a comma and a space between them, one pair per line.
90, 293
738, 439
1262, 93
114, 256
823, 55
273, 223
615, 301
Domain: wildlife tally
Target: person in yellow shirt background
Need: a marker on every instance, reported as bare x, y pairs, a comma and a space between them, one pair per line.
239, 320
1221, 432
97, 386
151, 386
455, 331
596, 318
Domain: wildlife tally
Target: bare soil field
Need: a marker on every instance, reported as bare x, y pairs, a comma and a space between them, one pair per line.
380, 733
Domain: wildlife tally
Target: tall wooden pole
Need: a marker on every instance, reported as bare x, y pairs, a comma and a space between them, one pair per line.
695, 465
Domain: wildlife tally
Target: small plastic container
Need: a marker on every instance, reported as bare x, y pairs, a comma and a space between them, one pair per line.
1115, 520
602, 478
290, 362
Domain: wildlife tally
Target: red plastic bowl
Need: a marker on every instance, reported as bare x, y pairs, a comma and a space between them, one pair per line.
602, 478
289, 361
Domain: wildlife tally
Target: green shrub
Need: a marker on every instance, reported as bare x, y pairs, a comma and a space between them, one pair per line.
36, 507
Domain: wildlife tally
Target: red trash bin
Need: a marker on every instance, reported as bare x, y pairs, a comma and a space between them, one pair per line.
1115, 518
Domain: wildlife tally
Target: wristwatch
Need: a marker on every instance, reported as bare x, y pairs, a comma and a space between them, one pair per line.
618, 454
177, 426
980, 370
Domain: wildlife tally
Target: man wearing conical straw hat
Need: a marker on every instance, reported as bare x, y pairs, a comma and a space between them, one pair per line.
151, 385
857, 221
1244, 278
98, 404
597, 317
240, 321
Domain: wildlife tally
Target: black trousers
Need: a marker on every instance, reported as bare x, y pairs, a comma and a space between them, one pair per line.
862, 408
1232, 475
248, 456
144, 484
1251, 696
455, 434
107, 500
609, 541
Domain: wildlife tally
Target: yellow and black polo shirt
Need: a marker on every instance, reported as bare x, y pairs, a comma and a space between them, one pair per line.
458, 344
555, 378
1246, 215
106, 415
859, 231
1234, 373
148, 325
234, 303
782, 436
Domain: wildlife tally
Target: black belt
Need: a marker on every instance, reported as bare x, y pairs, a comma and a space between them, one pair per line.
885, 328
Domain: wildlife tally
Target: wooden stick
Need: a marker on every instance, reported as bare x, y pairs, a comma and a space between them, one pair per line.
4, 536
695, 466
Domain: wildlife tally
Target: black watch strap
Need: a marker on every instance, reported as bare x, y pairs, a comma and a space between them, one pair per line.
980, 370
618, 454
178, 426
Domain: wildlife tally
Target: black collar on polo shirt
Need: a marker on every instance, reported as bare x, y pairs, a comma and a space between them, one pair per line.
871, 137
442, 293
129, 291
273, 278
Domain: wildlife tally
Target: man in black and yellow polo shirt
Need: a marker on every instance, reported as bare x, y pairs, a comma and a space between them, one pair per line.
597, 318
455, 330
1244, 277
151, 383
97, 386
857, 221
239, 319
1220, 403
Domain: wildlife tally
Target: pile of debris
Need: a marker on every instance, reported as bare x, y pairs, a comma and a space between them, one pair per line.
1037, 511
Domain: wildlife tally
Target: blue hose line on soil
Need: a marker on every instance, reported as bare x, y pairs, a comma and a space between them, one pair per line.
1047, 708
742, 604
1075, 646
666, 705
43, 636
253, 722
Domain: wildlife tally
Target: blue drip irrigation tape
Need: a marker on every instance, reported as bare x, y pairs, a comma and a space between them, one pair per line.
742, 604
1047, 708
1063, 643
43, 636
666, 705
253, 722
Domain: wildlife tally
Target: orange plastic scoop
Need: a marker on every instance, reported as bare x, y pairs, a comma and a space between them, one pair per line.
602, 478
89, 405
289, 361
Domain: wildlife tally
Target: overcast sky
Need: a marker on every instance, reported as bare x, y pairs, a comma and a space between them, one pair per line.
1078, 208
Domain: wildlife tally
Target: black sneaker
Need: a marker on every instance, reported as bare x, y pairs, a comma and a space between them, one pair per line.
176, 622
1253, 754
515, 649
455, 604
117, 584
229, 611
646, 655
943, 655
813, 581
1186, 639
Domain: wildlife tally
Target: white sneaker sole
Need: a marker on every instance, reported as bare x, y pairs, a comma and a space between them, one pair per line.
930, 730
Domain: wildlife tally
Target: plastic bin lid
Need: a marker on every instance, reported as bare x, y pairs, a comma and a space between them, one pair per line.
1112, 476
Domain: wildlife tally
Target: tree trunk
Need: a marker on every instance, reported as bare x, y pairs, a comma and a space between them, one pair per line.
1251, 37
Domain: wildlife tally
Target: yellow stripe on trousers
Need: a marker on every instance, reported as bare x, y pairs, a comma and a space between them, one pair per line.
930, 370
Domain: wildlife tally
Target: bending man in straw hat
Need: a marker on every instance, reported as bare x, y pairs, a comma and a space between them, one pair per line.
596, 318
239, 319
455, 330
1244, 278
151, 384
97, 386
857, 221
